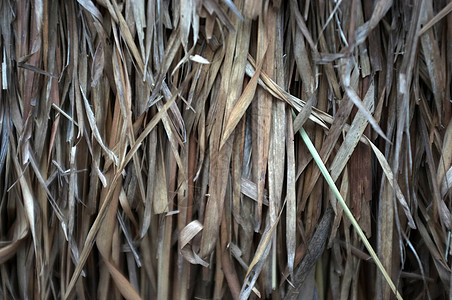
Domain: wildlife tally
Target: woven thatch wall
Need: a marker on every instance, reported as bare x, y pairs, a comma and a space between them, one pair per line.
173, 149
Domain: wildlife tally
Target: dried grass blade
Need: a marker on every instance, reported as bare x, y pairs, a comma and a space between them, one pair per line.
126, 207
264, 110
149, 127
129, 38
36, 70
434, 62
354, 134
317, 116
89, 6
123, 285
214, 8
386, 240
447, 182
103, 209
233, 8
27, 197
104, 239
187, 8
446, 156
444, 12
138, 7
92, 122
160, 197
278, 141
241, 106
315, 250
393, 182
257, 263
20, 229
380, 10
291, 209
56, 208
359, 104
301, 24
164, 255
152, 161
189, 232
230, 87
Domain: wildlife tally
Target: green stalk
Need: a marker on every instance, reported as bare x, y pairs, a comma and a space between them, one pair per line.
347, 211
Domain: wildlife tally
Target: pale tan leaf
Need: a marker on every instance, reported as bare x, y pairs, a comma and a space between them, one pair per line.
354, 134
291, 208
89, 6
192, 257
242, 104
96, 133
122, 283
388, 172
189, 232
199, 59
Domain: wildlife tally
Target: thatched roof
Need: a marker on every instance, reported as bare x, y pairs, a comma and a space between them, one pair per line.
201, 149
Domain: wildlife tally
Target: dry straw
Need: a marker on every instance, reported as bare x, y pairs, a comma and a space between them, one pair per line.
207, 149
